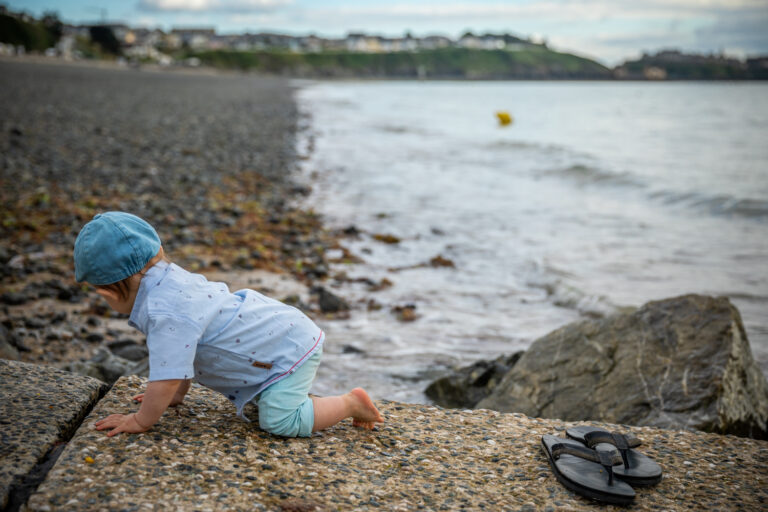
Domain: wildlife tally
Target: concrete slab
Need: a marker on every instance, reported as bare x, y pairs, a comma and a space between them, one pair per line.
40, 406
200, 457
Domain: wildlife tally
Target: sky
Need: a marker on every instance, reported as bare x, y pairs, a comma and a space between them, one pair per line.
609, 31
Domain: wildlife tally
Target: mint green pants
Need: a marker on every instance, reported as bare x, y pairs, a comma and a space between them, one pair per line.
285, 408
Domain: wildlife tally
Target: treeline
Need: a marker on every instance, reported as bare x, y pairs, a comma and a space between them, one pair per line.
445, 63
32, 34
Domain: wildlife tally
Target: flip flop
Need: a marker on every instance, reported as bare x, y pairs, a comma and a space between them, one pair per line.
638, 469
586, 471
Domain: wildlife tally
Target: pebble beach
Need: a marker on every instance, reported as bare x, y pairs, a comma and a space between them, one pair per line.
210, 160
204, 157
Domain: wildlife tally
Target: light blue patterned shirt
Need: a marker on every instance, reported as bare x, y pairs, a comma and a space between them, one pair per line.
235, 343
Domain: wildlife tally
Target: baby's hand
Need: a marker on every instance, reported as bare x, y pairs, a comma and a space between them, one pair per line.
120, 423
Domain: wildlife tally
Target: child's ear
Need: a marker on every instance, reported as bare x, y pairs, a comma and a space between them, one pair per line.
108, 293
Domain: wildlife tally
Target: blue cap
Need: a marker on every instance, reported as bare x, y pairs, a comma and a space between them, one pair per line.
113, 246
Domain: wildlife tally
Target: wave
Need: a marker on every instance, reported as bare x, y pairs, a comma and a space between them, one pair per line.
564, 295
724, 205
588, 175
720, 204
519, 144
747, 297
400, 129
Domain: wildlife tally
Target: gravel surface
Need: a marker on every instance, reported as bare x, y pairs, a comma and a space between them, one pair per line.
39, 407
201, 457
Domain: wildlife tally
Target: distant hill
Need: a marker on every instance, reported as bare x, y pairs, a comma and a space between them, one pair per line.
675, 65
530, 62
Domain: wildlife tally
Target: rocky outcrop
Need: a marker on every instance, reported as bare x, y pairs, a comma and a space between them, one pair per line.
200, 456
467, 386
40, 407
680, 363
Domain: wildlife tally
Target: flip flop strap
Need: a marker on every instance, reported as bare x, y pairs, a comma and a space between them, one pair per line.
620, 441
623, 442
606, 458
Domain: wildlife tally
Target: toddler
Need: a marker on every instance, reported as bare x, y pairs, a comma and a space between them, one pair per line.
242, 344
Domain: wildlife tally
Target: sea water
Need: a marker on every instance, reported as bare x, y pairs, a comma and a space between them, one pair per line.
599, 195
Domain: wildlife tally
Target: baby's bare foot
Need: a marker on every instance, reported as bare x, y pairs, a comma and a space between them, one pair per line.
364, 412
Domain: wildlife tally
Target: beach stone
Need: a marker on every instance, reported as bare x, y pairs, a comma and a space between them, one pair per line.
329, 302
678, 363
200, 456
7, 345
8, 351
13, 298
106, 366
128, 349
40, 406
466, 386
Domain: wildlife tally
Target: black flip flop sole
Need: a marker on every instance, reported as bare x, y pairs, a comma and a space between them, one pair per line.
582, 490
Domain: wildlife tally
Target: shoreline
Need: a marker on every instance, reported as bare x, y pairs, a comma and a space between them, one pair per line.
203, 70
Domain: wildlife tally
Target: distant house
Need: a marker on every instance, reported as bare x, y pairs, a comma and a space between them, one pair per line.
434, 42
469, 40
335, 45
196, 38
493, 42
266, 41
357, 42
172, 41
654, 73
485, 42
310, 44
120, 30
66, 46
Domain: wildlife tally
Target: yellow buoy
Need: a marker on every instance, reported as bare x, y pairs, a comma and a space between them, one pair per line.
504, 118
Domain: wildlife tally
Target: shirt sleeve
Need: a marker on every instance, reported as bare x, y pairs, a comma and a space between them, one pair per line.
172, 343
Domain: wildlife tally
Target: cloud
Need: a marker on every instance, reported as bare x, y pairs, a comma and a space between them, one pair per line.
744, 32
552, 10
415, 11
211, 5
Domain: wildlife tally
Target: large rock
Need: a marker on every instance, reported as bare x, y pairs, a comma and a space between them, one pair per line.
200, 456
679, 363
40, 407
467, 386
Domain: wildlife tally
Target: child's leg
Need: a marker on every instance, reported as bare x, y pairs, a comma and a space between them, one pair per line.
356, 404
285, 409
